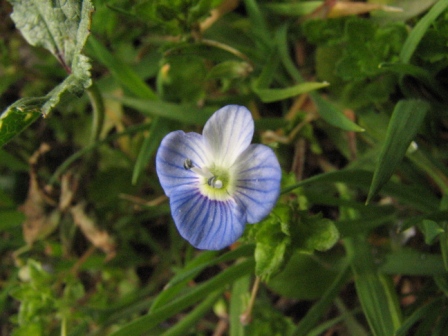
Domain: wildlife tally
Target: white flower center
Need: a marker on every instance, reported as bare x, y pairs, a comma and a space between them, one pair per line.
212, 180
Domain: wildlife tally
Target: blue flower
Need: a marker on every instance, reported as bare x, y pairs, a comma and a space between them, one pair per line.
217, 182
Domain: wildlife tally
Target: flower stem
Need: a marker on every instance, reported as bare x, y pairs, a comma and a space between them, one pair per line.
98, 111
246, 317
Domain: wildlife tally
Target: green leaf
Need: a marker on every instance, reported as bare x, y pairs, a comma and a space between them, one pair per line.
17, 117
187, 114
183, 326
423, 311
375, 291
294, 8
62, 28
150, 143
298, 279
404, 124
431, 230
272, 250
420, 29
218, 283
327, 111
411, 262
315, 232
238, 304
121, 71
314, 314
271, 95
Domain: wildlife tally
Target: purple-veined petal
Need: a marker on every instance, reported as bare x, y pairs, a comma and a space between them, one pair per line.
228, 133
206, 224
258, 176
174, 149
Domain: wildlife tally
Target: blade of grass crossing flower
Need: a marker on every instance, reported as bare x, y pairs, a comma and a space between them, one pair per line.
121, 71
187, 322
404, 124
238, 303
419, 30
150, 143
329, 112
219, 282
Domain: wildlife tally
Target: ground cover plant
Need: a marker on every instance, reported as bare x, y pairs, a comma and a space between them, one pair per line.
223, 167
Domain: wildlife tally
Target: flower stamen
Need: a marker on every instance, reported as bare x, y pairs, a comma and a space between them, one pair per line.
212, 180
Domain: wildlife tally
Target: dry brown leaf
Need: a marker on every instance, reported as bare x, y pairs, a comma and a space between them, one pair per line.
99, 238
40, 220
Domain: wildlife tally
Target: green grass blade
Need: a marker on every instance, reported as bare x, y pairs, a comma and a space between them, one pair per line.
375, 291
315, 313
238, 303
219, 282
150, 143
187, 114
419, 314
187, 322
412, 262
206, 259
121, 71
330, 113
414, 195
420, 29
404, 124
272, 95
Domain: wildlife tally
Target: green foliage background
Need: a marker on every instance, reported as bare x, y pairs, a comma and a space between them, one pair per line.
352, 96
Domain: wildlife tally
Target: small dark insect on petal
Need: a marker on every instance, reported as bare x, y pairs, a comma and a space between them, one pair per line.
188, 164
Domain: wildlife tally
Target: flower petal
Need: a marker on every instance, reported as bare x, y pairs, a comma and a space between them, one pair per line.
206, 224
258, 181
228, 133
175, 148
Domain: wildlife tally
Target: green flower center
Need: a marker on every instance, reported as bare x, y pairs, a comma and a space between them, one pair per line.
215, 182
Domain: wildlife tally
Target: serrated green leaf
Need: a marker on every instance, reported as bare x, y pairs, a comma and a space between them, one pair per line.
272, 250
59, 26
404, 124
315, 233
62, 28
19, 116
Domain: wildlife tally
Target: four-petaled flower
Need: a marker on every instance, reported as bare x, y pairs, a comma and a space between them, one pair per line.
217, 182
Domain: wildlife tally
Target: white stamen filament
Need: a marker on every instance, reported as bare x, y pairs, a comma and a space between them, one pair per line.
212, 181
202, 172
